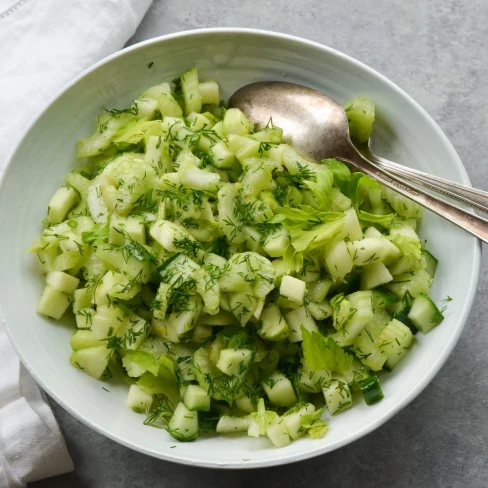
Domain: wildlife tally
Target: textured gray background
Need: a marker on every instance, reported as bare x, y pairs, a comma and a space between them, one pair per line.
436, 51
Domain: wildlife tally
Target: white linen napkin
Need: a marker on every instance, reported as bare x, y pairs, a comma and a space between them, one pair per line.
43, 44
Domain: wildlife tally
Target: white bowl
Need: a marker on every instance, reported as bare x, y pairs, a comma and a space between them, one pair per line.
404, 132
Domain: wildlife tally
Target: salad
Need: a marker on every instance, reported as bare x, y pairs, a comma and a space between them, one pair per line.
235, 285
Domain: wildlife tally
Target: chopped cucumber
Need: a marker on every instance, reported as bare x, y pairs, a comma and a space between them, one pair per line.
298, 318
293, 290
403, 339
374, 275
183, 425
405, 264
133, 332
278, 434
356, 373
275, 243
231, 425
273, 324
430, 262
107, 321
317, 291
312, 381
358, 315
413, 283
292, 420
369, 250
337, 396
234, 362
83, 339
53, 303
62, 282
82, 299
91, 360
245, 404
209, 91
129, 264
279, 390
365, 347
235, 122
136, 230
66, 261
424, 313
84, 318
383, 299
60, 205
222, 156
371, 390
338, 259
158, 97
198, 179
139, 400
196, 398
320, 311
395, 338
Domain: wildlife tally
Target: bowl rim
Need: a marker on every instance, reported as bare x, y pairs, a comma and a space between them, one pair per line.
434, 367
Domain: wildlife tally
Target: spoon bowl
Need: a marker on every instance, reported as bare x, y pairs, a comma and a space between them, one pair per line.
313, 123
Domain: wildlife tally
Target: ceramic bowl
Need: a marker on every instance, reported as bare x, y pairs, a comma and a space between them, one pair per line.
404, 132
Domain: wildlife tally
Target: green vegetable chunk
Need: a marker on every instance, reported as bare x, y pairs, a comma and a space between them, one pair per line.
360, 114
371, 390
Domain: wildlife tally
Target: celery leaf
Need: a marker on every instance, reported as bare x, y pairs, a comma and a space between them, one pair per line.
324, 353
309, 228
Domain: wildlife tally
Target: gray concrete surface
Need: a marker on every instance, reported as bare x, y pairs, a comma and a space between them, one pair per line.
437, 51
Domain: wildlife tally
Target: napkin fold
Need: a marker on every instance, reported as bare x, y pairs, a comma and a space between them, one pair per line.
43, 44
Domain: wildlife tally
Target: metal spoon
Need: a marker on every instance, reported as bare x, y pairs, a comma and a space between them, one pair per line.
317, 126
470, 196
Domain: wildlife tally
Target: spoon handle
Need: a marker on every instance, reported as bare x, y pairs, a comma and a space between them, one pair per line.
466, 220
470, 196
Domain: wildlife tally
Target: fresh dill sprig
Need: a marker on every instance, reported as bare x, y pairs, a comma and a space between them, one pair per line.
161, 413
188, 246
115, 113
266, 146
303, 173
446, 306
